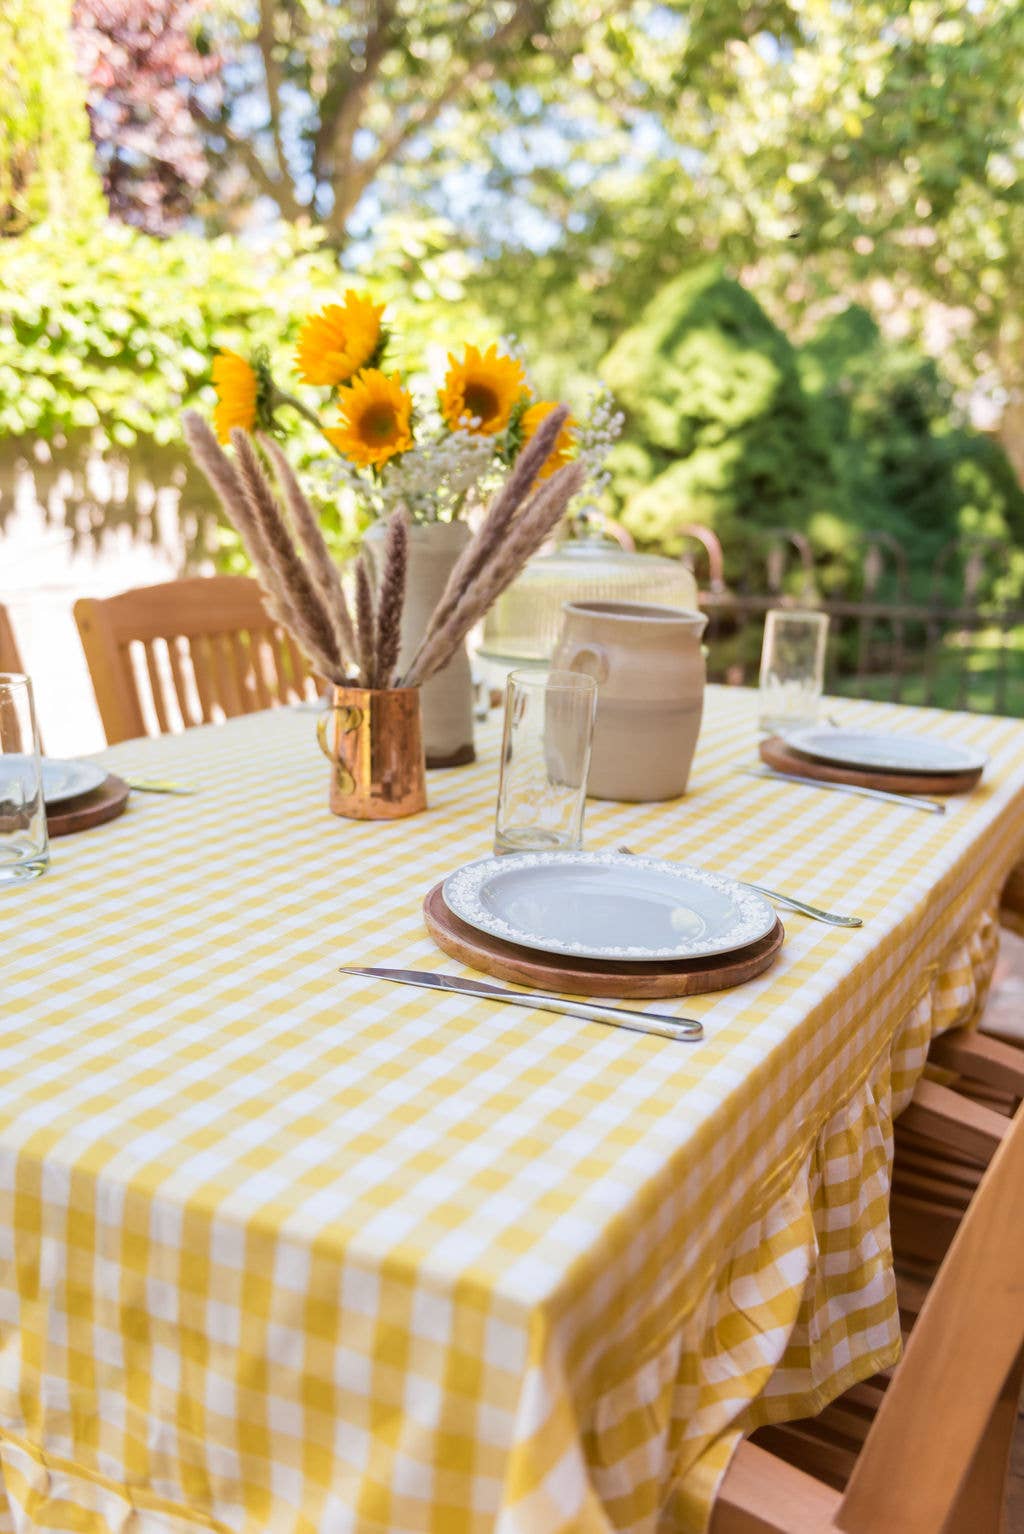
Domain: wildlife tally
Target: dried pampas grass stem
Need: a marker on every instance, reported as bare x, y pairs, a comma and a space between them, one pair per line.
366, 622
324, 572
499, 517
313, 626
537, 522
392, 599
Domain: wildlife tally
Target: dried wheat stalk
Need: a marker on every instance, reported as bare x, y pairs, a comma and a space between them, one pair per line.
541, 516
324, 572
365, 622
313, 625
221, 474
500, 514
391, 599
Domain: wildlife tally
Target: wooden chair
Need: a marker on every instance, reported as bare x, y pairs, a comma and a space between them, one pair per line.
924, 1448
195, 651
10, 656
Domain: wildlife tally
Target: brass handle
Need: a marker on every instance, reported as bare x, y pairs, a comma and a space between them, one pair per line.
354, 718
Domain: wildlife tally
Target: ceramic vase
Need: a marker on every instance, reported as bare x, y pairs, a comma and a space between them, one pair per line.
649, 668
373, 740
446, 700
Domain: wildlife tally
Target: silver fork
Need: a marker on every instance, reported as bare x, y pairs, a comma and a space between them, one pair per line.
790, 902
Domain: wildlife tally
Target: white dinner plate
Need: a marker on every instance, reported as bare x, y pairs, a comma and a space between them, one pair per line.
884, 751
607, 905
61, 779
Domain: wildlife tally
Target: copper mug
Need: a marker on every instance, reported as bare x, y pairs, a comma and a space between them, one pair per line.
376, 751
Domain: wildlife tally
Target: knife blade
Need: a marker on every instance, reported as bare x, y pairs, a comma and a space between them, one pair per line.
683, 1029
911, 801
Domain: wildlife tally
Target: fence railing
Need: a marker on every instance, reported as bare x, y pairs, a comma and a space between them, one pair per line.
946, 640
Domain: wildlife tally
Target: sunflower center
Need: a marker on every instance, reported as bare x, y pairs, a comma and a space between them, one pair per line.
481, 401
379, 423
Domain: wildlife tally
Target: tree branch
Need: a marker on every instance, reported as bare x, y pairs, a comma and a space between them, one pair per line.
280, 190
349, 187
272, 73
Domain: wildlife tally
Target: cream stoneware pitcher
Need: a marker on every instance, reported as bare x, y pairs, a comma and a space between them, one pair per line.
649, 668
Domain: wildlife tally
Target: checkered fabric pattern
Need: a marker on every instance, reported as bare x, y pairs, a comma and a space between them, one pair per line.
284, 1250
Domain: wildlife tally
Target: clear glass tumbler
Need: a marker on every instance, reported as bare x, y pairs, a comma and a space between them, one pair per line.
545, 757
24, 848
792, 668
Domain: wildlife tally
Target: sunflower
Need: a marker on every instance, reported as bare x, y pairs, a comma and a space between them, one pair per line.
341, 339
564, 442
484, 386
376, 419
237, 388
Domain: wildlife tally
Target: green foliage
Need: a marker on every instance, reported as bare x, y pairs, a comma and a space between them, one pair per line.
719, 428
730, 426
46, 165
910, 467
106, 334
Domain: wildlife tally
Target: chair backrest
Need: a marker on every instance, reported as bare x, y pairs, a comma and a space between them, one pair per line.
10, 656
194, 651
935, 1457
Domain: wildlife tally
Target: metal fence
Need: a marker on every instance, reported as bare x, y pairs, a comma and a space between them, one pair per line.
945, 640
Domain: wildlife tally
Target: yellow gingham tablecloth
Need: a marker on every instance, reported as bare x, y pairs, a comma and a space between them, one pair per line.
282, 1250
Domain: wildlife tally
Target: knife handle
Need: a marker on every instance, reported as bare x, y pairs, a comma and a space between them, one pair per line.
683, 1029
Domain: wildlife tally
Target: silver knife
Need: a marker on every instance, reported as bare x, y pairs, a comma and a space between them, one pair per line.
910, 800
684, 1029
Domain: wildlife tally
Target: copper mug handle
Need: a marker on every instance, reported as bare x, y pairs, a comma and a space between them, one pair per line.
353, 721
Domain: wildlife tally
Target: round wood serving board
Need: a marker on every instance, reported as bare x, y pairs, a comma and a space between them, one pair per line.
777, 754
88, 810
593, 977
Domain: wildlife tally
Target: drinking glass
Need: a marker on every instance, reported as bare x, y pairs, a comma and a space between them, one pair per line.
545, 757
792, 668
24, 849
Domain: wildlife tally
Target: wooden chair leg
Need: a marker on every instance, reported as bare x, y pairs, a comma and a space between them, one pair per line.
981, 1503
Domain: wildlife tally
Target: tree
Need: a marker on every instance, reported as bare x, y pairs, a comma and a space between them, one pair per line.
46, 168
147, 64
846, 151
322, 100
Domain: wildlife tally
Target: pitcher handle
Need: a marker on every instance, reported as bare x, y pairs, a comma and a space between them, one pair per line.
592, 660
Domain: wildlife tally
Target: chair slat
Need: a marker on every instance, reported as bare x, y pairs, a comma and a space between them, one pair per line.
260, 658
227, 691
156, 686
244, 668
297, 672
280, 665
10, 656
177, 650
199, 650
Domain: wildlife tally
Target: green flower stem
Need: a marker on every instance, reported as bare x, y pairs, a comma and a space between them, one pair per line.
279, 399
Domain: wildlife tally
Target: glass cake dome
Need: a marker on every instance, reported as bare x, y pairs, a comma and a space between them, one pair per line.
523, 626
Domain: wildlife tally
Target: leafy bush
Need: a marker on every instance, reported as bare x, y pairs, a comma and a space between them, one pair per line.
731, 426
719, 427
106, 334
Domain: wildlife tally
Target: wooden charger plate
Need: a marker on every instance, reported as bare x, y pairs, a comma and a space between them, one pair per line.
777, 754
91, 809
594, 977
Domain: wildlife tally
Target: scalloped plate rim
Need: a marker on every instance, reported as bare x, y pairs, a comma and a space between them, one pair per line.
482, 921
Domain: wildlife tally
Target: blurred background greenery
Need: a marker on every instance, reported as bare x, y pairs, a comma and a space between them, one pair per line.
787, 234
